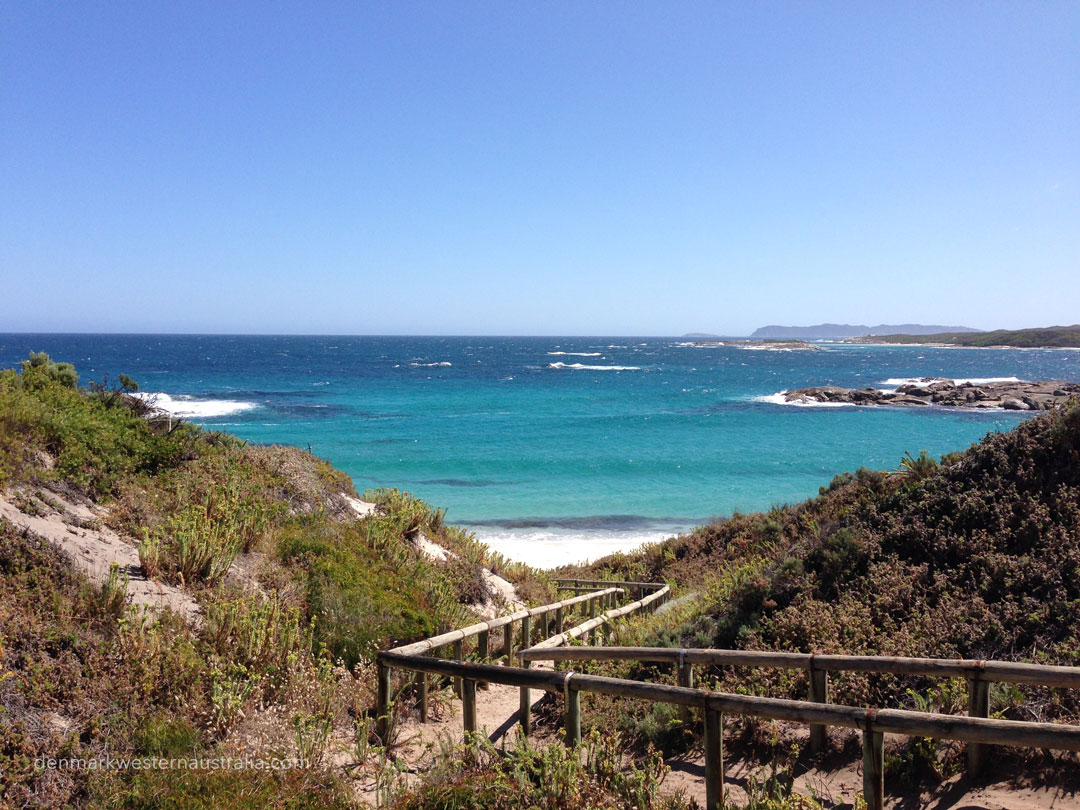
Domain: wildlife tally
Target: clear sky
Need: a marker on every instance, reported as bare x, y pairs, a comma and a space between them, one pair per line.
537, 168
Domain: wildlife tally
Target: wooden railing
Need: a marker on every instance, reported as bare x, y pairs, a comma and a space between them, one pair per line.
550, 620
873, 723
976, 729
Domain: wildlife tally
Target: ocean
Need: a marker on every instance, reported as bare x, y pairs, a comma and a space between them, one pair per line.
558, 449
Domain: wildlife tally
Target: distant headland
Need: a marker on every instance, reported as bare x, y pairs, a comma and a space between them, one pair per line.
823, 331
1051, 337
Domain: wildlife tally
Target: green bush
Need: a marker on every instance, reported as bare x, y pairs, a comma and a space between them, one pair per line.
96, 446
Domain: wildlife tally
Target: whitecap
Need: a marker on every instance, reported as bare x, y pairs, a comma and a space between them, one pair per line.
581, 367
579, 354
430, 365
186, 406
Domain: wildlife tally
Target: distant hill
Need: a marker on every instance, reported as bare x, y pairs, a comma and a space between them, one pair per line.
699, 335
1056, 337
844, 330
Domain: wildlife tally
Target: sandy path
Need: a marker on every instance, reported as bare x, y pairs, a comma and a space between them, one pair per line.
76, 528
497, 709
837, 780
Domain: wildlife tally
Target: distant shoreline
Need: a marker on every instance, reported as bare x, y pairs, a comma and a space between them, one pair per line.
1051, 337
936, 345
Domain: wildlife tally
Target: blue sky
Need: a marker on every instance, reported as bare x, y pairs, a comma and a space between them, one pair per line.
540, 168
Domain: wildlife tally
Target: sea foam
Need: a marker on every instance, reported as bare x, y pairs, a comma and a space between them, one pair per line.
187, 407
547, 548
579, 354
780, 398
580, 366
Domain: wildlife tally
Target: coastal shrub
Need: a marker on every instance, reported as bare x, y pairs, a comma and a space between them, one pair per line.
295, 789
580, 778
367, 587
191, 546
40, 365
841, 480
94, 446
261, 634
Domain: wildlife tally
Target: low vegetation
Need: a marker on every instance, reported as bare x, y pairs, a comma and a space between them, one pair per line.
550, 778
1058, 337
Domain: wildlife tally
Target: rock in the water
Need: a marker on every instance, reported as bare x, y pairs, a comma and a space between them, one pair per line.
1010, 395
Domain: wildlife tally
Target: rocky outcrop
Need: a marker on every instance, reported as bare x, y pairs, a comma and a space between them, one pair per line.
1011, 396
761, 345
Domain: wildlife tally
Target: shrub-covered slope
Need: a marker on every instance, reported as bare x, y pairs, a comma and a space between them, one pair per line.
977, 557
296, 592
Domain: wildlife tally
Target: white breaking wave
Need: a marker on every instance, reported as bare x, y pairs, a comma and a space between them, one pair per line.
802, 402
777, 348
185, 406
923, 382
547, 548
580, 366
430, 365
579, 354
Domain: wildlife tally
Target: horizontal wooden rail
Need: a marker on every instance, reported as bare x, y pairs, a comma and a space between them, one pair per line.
603, 582
581, 629
998, 671
442, 640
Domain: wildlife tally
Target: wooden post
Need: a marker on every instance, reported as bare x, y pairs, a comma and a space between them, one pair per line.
459, 653
382, 703
873, 766
573, 716
482, 653
508, 644
978, 706
421, 691
685, 673
714, 760
558, 620
526, 633
468, 707
592, 615
819, 693
524, 713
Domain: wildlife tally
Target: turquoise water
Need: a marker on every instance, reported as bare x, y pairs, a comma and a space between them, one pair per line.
558, 447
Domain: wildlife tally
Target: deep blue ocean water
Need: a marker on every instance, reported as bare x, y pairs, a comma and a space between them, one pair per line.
557, 448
